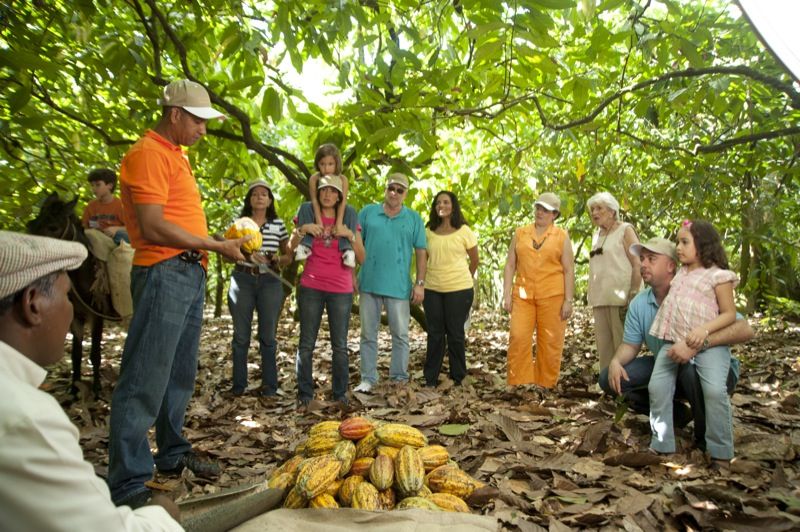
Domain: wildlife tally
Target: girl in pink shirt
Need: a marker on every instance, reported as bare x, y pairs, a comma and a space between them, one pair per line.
700, 301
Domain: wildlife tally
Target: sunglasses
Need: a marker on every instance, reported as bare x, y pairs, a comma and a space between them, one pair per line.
395, 190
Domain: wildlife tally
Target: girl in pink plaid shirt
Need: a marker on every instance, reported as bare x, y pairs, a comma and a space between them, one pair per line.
700, 301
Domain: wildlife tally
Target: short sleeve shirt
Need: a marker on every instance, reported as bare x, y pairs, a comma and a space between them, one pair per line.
389, 243
99, 215
448, 265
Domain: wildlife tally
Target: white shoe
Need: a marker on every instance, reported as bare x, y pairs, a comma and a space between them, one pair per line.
349, 258
363, 387
302, 252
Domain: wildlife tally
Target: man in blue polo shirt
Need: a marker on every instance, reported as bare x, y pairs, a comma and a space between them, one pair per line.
628, 375
391, 232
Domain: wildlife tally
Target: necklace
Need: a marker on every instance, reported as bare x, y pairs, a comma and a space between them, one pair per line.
537, 245
599, 251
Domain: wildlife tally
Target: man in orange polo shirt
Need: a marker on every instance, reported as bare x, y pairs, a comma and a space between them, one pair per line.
168, 231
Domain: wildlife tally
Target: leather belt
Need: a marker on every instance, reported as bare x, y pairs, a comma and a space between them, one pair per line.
251, 270
191, 256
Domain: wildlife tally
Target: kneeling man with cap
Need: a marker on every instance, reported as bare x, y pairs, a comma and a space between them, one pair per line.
628, 375
45, 484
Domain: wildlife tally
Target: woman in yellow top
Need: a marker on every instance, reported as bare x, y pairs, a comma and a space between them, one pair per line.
538, 285
452, 261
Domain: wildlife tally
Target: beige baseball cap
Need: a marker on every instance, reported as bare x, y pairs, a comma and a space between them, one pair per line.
662, 246
190, 96
397, 179
334, 181
549, 201
26, 258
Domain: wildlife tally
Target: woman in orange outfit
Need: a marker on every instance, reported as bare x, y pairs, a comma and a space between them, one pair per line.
538, 285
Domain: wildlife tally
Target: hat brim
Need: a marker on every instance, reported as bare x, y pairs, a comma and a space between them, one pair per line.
636, 249
206, 113
405, 187
328, 185
545, 205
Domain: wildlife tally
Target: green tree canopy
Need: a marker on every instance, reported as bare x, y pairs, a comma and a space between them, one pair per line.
673, 106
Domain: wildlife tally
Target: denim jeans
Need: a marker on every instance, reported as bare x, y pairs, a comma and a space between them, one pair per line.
687, 388
247, 293
445, 314
311, 303
305, 215
157, 375
712, 367
399, 313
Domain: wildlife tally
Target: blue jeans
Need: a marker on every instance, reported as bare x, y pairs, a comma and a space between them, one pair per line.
712, 367
157, 375
445, 314
248, 293
399, 313
305, 215
121, 235
687, 388
311, 303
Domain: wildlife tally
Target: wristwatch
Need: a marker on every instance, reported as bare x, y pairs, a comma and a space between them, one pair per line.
705, 344
420, 282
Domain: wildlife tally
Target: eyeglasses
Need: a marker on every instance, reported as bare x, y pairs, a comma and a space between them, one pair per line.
395, 190
598, 251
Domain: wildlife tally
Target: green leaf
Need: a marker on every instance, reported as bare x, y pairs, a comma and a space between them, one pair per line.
307, 119
19, 99
453, 429
240, 84
271, 106
551, 4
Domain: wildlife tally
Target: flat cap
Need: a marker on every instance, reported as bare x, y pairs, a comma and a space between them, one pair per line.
26, 258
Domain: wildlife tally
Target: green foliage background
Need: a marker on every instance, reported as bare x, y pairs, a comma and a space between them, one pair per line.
672, 106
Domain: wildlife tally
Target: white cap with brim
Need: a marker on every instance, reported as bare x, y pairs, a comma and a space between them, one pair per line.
191, 97
26, 258
662, 246
549, 201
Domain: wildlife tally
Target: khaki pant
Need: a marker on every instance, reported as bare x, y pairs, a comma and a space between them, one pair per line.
608, 327
544, 317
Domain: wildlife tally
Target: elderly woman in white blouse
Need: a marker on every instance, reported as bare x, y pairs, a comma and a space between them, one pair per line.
614, 276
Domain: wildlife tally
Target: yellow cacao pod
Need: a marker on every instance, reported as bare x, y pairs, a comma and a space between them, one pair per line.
433, 456
449, 502
408, 470
355, 428
391, 452
450, 479
289, 466
324, 426
333, 487
398, 435
322, 443
294, 500
387, 498
345, 452
347, 488
366, 446
316, 474
282, 481
365, 497
323, 500
381, 472
242, 227
417, 502
361, 466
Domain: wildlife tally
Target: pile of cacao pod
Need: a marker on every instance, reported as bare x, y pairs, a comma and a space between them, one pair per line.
369, 465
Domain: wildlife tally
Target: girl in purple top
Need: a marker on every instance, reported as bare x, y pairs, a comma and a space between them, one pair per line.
325, 283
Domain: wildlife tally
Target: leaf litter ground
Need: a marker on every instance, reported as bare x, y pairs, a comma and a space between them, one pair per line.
568, 458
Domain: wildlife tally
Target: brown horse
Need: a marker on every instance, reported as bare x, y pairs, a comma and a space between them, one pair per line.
57, 220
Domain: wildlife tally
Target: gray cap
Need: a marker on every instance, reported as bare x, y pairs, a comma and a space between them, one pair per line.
258, 183
397, 179
26, 258
662, 246
549, 201
190, 96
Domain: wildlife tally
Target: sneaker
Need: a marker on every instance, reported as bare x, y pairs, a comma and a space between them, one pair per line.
363, 387
349, 258
201, 468
302, 252
137, 500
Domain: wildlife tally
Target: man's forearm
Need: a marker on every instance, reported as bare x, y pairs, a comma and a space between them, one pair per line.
736, 333
626, 352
